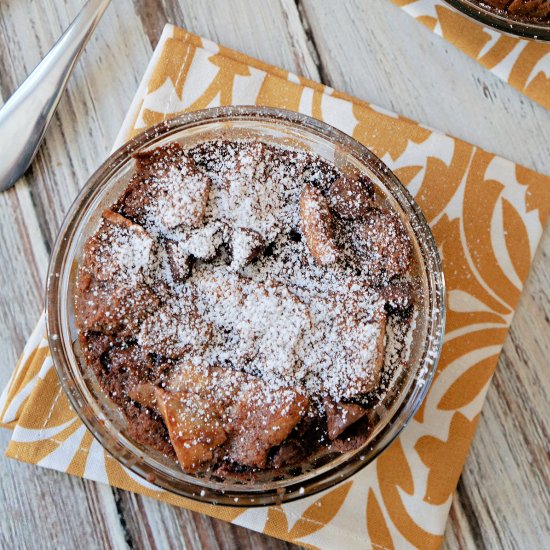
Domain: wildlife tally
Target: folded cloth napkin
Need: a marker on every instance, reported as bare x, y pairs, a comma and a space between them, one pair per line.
524, 64
487, 216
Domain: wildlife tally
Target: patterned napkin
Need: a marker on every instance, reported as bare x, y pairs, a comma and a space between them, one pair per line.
524, 64
487, 215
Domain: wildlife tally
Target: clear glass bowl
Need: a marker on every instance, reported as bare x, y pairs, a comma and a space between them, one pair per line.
102, 417
491, 17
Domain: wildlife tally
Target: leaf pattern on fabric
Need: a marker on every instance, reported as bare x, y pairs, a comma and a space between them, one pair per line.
321, 512
468, 385
442, 457
377, 527
394, 475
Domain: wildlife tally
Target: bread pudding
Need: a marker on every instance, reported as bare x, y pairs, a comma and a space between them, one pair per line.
247, 305
529, 10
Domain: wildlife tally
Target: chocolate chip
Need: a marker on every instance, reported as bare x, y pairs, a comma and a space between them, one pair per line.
294, 236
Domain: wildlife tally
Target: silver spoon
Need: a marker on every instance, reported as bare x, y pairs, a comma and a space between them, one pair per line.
26, 115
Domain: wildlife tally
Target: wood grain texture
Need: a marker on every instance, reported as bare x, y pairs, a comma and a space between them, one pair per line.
366, 47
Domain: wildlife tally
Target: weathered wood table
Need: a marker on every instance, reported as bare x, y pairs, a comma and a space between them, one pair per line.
368, 48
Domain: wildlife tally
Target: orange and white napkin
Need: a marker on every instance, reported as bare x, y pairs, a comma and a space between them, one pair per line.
524, 64
487, 215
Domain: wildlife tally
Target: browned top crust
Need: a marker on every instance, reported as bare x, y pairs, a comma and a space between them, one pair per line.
246, 305
538, 10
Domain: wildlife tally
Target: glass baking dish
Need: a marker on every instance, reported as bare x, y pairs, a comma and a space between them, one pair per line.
102, 417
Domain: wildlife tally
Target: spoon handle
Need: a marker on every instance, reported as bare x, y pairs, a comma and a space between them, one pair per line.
26, 115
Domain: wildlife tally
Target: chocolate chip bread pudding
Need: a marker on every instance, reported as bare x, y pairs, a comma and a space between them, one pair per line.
247, 305
529, 10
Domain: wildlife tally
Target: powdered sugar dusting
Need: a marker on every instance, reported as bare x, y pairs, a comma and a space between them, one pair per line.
270, 286
122, 251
